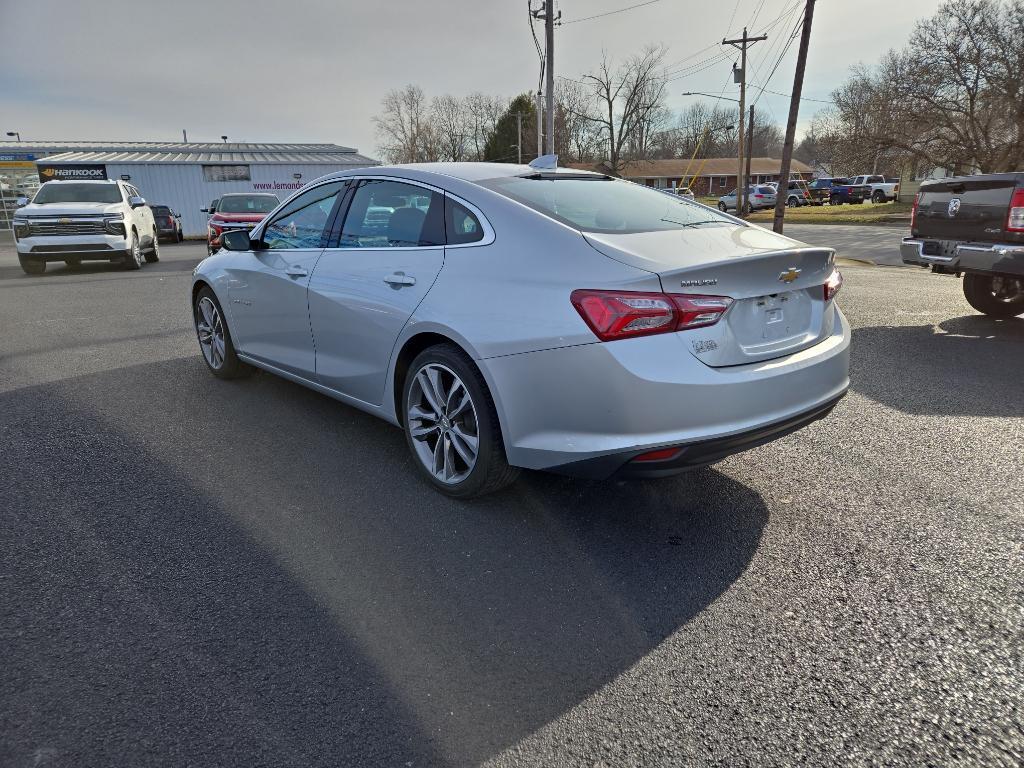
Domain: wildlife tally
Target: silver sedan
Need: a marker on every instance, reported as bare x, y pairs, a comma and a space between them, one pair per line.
511, 317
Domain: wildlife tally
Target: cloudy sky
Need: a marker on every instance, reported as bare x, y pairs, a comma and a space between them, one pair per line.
315, 70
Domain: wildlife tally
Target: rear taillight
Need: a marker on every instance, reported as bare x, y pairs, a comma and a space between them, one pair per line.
170, 221
833, 284
615, 315
1015, 220
913, 211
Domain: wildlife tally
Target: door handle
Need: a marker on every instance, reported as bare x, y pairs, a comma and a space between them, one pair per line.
399, 279
296, 271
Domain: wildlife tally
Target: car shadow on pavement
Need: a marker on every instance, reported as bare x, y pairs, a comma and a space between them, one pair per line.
251, 573
964, 366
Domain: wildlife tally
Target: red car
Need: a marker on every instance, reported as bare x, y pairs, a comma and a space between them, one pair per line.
241, 210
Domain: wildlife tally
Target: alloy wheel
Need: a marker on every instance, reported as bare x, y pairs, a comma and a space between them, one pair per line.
443, 423
210, 329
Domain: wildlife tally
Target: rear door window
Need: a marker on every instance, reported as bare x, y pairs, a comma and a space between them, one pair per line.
393, 214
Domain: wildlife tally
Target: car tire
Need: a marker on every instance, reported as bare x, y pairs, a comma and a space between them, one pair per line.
878, 196
31, 266
180, 236
792, 202
134, 258
995, 295
722, 207
154, 253
214, 337
442, 384
834, 200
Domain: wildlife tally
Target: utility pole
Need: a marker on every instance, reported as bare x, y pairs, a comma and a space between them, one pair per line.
742, 44
794, 110
519, 136
184, 136
549, 63
540, 123
750, 142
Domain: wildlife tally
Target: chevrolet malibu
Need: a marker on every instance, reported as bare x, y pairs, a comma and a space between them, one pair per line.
511, 317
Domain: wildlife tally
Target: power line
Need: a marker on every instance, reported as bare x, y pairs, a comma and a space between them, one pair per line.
610, 13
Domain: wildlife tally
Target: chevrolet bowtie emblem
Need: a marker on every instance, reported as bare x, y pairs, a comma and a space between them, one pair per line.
789, 275
63, 221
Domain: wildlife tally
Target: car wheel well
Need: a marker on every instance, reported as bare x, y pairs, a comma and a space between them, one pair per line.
197, 287
412, 347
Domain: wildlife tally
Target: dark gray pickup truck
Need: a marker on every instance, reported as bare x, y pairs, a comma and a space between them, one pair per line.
973, 226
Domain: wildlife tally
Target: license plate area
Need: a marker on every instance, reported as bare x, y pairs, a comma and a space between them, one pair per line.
767, 321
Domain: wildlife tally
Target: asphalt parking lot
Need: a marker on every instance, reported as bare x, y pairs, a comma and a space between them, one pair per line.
197, 572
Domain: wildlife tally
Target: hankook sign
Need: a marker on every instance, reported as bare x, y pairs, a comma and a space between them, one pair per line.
51, 172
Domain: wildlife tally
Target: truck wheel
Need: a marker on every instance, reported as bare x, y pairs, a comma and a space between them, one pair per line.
32, 266
134, 258
834, 200
995, 295
791, 201
154, 254
878, 196
722, 208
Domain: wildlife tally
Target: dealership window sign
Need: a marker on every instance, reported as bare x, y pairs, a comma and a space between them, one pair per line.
49, 172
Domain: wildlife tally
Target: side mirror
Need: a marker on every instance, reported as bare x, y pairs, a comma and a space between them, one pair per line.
236, 240
204, 210
136, 202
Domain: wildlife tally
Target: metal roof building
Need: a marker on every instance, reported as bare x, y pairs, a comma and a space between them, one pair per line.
184, 176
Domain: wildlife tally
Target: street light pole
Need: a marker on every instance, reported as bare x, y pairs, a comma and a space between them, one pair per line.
14, 133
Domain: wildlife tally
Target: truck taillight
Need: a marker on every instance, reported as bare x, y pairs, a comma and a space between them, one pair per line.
615, 315
1015, 219
913, 211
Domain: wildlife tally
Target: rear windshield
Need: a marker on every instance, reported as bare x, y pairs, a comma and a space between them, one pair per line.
247, 204
600, 204
766, 190
161, 210
77, 193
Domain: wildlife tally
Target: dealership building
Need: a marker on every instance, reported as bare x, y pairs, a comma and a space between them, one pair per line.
183, 176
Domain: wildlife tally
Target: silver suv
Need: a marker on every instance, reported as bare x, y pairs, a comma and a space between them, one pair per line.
76, 221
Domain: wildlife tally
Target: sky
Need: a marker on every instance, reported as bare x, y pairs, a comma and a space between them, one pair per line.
316, 70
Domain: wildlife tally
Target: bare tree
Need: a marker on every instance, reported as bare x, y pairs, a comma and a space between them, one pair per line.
449, 124
482, 113
953, 98
578, 138
404, 129
630, 99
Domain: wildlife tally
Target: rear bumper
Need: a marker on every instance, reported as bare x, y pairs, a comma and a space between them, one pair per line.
953, 256
588, 409
693, 455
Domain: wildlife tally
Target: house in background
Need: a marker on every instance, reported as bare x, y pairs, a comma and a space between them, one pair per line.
717, 175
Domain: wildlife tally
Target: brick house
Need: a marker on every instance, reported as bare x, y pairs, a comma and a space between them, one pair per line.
717, 174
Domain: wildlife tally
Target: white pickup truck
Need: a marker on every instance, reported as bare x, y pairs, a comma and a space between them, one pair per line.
881, 190
76, 221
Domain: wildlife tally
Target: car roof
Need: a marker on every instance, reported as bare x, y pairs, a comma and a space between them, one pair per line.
471, 172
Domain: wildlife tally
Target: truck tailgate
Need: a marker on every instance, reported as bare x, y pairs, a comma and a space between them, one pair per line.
964, 209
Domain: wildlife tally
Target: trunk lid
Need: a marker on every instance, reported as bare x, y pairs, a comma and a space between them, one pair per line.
968, 208
776, 285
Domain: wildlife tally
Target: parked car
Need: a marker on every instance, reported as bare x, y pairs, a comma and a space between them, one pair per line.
677, 191
643, 349
881, 190
236, 210
168, 223
76, 221
973, 226
836, 191
758, 197
797, 194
